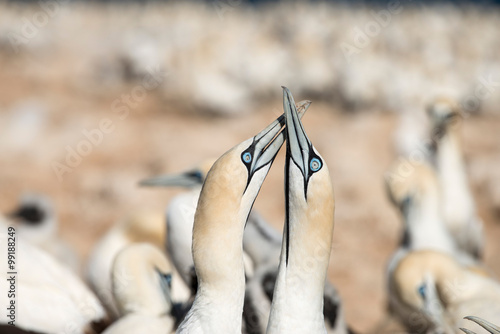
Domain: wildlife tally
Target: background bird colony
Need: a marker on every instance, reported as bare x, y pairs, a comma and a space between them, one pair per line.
97, 96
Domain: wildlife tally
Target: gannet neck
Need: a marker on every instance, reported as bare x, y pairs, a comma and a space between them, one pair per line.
426, 227
457, 198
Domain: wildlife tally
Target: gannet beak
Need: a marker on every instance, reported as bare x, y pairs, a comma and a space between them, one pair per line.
483, 323
166, 285
298, 145
268, 142
188, 179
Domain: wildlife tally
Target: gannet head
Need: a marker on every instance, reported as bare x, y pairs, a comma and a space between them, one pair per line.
309, 196
191, 178
226, 199
491, 328
410, 184
421, 279
35, 218
443, 114
141, 280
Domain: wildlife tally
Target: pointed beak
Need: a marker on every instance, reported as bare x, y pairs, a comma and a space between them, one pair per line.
269, 141
187, 180
298, 145
485, 324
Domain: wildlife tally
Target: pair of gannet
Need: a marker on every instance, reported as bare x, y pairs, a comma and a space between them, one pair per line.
459, 210
49, 297
227, 196
35, 220
440, 292
142, 282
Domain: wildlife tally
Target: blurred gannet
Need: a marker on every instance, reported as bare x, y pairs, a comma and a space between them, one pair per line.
458, 204
297, 305
258, 237
140, 227
50, 298
142, 281
226, 199
493, 329
35, 220
440, 292
416, 193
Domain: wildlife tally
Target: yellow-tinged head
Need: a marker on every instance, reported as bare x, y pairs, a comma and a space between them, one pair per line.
310, 203
444, 115
409, 183
413, 273
141, 280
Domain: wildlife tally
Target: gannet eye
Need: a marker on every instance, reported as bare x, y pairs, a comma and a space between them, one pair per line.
422, 291
315, 164
246, 157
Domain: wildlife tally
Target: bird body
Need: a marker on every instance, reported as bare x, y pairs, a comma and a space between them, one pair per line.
50, 297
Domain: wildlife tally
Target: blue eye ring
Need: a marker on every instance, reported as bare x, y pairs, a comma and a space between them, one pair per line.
315, 164
246, 157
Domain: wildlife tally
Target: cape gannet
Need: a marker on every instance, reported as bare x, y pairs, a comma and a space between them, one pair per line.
180, 218
139, 227
35, 220
141, 281
416, 193
440, 292
459, 208
226, 199
297, 305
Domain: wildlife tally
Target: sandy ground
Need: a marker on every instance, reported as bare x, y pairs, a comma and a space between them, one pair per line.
158, 137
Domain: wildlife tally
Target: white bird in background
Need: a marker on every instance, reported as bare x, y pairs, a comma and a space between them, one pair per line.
440, 292
142, 278
226, 199
459, 209
297, 305
259, 238
140, 227
50, 298
416, 193
493, 329
35, 220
